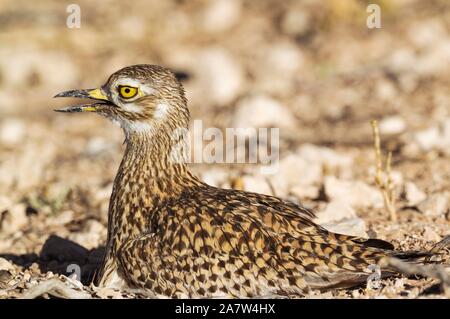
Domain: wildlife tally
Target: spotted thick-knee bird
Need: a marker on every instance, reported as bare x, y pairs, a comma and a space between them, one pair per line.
171, 234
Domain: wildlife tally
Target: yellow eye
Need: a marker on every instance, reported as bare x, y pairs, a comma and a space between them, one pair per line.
127, 92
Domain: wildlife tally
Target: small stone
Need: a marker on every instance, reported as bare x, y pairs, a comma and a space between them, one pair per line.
27, 276
215, 177
430, 235
12, 132
392, 125
296, 22
13, 219
6, 265
256, 184
353, 227
220, 76
329, 158
413, 194
91, 236
427, 139
305, 191
335, 211
62, 218
262, 111
354, 193
94, 227
221, 15
284, 58
295, 171
435, 205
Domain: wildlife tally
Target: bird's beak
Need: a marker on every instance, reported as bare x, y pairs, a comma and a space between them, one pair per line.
92, 94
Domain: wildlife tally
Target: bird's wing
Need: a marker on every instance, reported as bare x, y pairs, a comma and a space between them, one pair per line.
229, 244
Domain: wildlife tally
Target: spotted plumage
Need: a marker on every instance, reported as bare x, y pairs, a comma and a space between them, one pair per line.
173, 235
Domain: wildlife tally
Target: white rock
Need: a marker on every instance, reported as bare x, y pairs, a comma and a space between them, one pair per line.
354, 227
94, 227
5, 203
6, 265
392, 125
427, 139
305, 191
427, 33
215, 177
413, 194
221, 15
296, 22
297, 171
220, 75
131, 22
435, 205
335, 211
430, 234
92, 235
256, 184
385, 90
12, 132
325, 156
14, 219
262, 111
354, 193
61, 219
284, 58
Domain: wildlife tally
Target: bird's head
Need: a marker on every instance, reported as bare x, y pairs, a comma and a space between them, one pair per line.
141, 98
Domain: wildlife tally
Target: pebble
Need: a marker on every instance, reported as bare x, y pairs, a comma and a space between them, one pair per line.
14, 219
221, 76
427, 139
353, 226
256, 184
295, 171
12, 132
305, 191
326, 156
335, 211
354, 193
6, 265
435, 205
392, 125
221, 15
413, 194
262, 111
430, 235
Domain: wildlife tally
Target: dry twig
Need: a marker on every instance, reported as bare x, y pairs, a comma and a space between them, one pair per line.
383, 178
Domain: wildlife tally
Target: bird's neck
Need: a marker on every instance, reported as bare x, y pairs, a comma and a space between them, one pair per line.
152, 171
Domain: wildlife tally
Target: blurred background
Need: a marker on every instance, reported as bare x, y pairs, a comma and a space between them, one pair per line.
312, 68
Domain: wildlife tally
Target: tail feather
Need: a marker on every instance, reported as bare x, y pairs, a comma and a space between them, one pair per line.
365, 257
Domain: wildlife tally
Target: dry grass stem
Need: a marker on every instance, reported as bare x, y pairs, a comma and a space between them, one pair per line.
383, 178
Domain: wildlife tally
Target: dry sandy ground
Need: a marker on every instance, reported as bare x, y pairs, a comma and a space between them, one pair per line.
312, 69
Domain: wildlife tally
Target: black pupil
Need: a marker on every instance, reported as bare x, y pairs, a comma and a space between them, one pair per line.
127, 90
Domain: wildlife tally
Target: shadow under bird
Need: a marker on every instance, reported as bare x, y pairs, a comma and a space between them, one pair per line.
172, 235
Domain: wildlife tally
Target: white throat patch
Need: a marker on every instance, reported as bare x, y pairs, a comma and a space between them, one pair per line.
131, 107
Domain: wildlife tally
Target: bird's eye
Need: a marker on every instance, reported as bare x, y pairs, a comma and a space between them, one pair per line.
127, 92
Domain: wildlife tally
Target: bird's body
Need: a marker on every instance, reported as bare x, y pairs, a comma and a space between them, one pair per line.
173, 235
